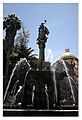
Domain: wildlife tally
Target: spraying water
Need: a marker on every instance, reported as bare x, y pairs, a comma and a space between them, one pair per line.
54, 78
73, 82
21, 61
69, 80
47, 97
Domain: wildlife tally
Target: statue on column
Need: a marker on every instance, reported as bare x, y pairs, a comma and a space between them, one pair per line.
43, 33
42, 39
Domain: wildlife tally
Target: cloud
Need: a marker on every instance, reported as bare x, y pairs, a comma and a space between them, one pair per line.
49, 55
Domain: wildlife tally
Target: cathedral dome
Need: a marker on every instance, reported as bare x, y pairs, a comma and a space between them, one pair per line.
67, 55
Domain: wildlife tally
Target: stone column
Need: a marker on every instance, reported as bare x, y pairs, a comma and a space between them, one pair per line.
42, 39
41, 55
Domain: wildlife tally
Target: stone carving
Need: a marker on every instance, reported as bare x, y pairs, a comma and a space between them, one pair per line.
43, 33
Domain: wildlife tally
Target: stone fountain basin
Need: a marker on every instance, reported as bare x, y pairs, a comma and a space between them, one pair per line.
40, 76
41, 80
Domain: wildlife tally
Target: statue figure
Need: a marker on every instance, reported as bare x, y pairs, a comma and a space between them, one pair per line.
43, 33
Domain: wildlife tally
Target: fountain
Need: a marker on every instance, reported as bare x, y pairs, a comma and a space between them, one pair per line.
69, 81
42, 79
50, 87
66, 88
16, 79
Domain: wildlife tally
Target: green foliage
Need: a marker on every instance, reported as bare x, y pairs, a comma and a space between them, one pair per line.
11, 24
22, 38
17, 47
12, 21
20, 49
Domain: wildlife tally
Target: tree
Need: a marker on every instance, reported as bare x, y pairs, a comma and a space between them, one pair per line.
21, 49
10, 24
22, 38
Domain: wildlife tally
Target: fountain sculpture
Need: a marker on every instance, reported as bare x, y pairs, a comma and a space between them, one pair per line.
52, 88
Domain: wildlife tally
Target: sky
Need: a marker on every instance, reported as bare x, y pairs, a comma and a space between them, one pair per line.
62, 22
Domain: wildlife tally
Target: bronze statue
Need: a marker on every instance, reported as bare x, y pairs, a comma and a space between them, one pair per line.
43, 33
